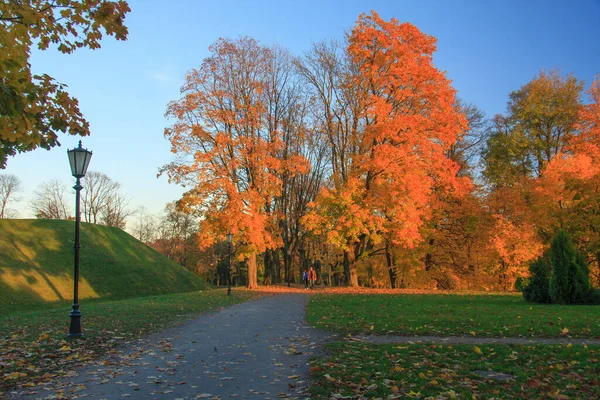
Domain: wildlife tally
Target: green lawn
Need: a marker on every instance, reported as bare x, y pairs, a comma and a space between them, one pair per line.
441, 371
34, 347
352, 370
451, 314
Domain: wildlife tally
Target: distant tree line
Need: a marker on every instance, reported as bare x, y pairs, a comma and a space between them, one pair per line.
102, 200
360, 159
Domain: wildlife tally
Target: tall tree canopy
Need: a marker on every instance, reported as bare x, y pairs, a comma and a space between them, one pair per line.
35, 108
394, 143
229, 136
542, 117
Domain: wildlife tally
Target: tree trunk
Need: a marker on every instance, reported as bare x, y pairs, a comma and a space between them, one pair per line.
268, 267
350, 275
287, 265
252, 272
275, 267
391, 263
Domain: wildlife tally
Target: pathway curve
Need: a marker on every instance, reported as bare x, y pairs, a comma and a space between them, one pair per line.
258, 349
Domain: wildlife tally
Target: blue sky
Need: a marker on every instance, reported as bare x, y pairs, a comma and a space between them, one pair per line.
487, 48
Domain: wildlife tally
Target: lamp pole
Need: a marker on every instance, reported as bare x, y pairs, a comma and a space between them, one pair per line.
229, 240
79, 158
75, 327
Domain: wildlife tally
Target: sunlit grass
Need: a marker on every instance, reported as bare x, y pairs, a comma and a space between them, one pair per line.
36, 266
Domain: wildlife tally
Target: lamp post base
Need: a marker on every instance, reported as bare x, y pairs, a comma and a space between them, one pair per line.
75, 327
229, 291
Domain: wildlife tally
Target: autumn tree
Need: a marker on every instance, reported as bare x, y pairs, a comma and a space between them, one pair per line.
289, 113
49, 201
541, 121
542, 117
455, 250
10, 185
35, 108
227, 148
568, 194
338, 105
175, 234
394, 143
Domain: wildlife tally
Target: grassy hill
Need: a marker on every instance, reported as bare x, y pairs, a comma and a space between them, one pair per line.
36, 265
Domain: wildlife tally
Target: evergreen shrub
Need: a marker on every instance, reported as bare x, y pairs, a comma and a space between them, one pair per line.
569, 281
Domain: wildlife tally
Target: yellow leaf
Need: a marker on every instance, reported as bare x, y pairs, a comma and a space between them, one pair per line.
564, 331
477, 350
433, 382
372, 327
65, 348
472, 333
293, 377
15, 375
397, 369
422, 375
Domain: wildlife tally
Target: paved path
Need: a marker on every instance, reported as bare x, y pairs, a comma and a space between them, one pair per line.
258, 349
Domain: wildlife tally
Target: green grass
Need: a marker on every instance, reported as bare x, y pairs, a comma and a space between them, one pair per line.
36, 266
471, 315
453, 372
34, 348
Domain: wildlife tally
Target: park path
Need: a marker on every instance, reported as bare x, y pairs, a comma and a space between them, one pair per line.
258, 349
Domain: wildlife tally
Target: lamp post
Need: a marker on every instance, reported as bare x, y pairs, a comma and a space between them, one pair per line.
229, 240
79, 158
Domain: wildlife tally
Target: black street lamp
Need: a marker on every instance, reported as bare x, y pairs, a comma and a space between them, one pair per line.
229, 240
79, 158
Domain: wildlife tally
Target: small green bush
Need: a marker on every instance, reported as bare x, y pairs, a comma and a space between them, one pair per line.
569, 283
538, 290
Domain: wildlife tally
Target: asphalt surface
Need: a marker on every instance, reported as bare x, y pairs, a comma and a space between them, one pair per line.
258, 350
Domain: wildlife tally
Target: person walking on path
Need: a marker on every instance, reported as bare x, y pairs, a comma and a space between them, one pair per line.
312, 277
305, 279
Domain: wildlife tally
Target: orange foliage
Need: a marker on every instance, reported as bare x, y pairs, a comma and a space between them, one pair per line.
227, 150
398, 153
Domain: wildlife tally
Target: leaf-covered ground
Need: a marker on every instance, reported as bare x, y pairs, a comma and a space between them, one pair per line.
357, 370
34, 349
450, 314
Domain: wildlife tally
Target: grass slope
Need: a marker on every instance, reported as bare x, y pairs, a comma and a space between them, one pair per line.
36, 265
